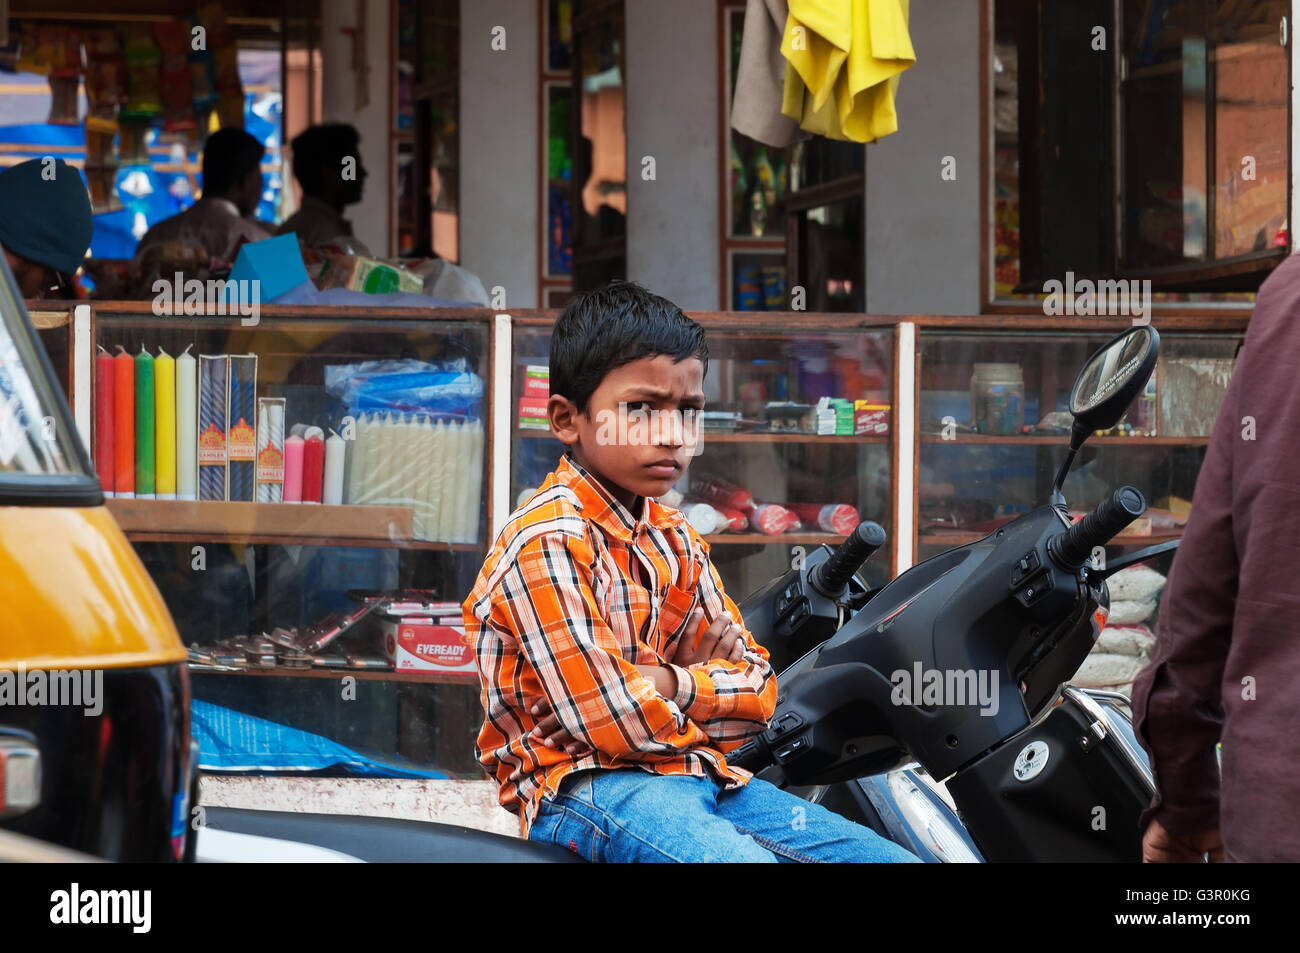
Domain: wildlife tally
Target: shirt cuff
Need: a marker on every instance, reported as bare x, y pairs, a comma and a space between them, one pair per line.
696, 696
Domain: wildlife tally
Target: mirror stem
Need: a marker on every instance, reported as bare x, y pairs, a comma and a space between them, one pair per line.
1058, 498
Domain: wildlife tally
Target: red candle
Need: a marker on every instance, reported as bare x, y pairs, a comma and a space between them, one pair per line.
124, 430
105, 384
313, 466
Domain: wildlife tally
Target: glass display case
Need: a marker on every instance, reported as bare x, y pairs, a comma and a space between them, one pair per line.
810, 424
763, 440
994, 426
318, 586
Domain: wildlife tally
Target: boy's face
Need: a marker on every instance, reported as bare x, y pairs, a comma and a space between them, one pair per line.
640, 427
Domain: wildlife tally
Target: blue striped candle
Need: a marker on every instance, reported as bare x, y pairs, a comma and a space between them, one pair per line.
242, 442
213, 390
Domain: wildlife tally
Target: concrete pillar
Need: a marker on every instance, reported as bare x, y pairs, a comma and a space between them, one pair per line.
372, 216
672, 116
923, 232
500, 158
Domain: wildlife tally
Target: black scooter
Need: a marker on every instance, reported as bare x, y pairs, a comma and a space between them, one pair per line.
930, 709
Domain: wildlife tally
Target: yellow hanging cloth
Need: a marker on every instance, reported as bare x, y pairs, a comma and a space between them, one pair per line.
844, 58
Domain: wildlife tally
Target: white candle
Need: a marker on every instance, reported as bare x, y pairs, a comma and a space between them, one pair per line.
356, 458
473, 483
187, 410
335, 450
433, 478
421, 455
441, 475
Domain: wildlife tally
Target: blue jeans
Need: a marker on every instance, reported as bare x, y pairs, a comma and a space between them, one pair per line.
632, 815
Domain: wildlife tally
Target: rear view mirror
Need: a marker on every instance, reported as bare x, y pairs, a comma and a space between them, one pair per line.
1111, 379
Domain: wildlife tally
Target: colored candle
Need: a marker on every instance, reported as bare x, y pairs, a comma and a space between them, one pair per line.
293, 451
186, 416
124, 424
164, 389
313, 466
105, 384
144, 425
335, 454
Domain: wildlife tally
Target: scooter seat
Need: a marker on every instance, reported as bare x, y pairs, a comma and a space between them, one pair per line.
387, 839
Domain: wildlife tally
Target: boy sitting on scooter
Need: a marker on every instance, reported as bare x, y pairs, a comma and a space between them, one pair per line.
616, 672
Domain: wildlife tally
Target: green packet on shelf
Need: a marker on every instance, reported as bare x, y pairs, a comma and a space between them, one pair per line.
834, 417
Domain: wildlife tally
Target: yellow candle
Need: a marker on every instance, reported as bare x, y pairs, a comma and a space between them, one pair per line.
164, 376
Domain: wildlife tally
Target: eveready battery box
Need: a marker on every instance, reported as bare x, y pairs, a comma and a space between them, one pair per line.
428, 643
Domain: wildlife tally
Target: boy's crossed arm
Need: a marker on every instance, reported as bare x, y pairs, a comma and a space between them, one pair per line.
600, 699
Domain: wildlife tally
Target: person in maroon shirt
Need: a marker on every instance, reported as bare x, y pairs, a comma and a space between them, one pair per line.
1226, 665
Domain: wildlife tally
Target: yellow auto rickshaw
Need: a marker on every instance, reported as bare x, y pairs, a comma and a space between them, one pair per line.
95, 746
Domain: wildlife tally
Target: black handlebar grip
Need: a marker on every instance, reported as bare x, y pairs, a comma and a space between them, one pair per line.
1071, 548
754, 755
831, 576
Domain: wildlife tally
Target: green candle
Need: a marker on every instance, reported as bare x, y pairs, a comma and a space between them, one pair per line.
144, 425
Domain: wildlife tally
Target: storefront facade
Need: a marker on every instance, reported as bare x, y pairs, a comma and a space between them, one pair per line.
896, 244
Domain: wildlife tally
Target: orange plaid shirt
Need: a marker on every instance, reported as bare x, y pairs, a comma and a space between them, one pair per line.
575, 594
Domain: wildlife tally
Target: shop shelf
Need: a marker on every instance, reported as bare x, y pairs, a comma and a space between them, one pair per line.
361, 674
308, 524
780, 538
1063, 440
758, 437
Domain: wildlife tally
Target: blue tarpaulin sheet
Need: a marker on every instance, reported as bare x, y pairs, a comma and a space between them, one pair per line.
230, 741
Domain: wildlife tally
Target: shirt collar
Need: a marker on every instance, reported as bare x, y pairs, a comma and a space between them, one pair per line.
323, 209
599, 505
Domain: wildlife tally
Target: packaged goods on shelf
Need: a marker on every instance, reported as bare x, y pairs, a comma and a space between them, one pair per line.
446, 389
732, 520
772, 519
370, 275
428, 643
241, 440
870, 417
532, 401
270, 449
835, 416
829, 517
434, 467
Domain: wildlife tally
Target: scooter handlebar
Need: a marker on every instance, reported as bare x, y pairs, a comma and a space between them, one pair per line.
831, 576
1072, 547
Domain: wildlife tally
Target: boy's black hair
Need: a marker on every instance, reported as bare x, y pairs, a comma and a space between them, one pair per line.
604, 329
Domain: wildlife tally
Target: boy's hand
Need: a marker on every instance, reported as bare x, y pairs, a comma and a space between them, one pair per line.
552, 733
723, 639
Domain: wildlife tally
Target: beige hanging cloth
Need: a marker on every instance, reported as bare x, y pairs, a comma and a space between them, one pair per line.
844, 59
760, 78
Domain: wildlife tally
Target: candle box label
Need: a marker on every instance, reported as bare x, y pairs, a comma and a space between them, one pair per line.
212, 447
270, 465
430, 644
242, 444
